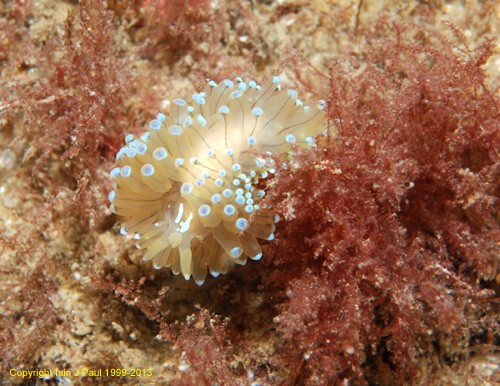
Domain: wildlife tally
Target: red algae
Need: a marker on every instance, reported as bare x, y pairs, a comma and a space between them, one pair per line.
74, 101
384, 265
393, 223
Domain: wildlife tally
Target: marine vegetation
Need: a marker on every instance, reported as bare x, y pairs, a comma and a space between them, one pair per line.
384, 264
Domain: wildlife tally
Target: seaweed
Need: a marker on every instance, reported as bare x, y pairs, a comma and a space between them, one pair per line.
210, 358
392, 221
27, 320
385, 264
74, 103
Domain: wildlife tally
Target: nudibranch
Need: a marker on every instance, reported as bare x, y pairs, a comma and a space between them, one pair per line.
190, 188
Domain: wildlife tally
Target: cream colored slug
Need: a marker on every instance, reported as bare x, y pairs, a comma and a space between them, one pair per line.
189, 185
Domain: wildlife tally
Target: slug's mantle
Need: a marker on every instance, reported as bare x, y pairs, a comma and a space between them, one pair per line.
189, 185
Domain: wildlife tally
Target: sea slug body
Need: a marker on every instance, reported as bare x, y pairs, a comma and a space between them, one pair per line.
189, 185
